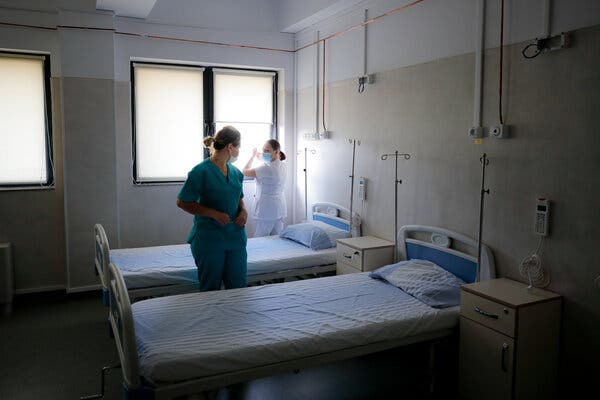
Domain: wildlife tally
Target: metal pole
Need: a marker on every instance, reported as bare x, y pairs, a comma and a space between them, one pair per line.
353, 141
306, 151
396, 183
396, 209
305, 185
484, 162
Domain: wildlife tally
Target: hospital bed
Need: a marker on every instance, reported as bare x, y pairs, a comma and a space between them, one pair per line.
166, 270
179, 345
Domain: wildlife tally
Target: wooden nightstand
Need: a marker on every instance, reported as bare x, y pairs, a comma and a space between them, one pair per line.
508, 341
364, 253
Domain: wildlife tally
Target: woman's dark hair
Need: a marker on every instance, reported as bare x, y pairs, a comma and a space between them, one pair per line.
276, 146
224, 137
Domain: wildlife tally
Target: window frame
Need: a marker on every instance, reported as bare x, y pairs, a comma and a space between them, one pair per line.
49, 137
208, 103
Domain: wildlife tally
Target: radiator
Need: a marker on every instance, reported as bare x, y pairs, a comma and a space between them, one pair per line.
6, 278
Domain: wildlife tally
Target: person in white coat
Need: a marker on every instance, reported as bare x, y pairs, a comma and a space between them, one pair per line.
269, 208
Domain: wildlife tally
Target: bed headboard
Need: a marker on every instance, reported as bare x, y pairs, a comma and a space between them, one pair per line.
335, 215
101, 257
452, 251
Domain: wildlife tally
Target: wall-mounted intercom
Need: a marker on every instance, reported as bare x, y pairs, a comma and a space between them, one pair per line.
362, 188
542, 217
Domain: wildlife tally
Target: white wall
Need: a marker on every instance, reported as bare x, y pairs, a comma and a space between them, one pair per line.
434, 29
92, 100
422, 103
169, 224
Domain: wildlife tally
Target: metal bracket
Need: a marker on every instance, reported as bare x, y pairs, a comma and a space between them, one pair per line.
103, 373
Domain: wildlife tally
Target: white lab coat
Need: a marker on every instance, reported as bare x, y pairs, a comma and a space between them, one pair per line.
270, 198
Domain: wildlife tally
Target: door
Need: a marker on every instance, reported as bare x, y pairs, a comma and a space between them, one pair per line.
486, 362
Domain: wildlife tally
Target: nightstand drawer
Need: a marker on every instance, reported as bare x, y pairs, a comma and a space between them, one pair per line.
349, 255
489, 313
343, 268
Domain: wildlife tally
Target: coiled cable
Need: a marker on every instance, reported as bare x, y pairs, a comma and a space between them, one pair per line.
531, 268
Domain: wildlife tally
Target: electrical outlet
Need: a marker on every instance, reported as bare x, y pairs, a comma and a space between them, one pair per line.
499, 131
368, 79
324, 135
476, 132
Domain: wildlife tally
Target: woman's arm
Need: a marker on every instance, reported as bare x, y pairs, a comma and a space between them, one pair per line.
196, 209
247, 171
242, 216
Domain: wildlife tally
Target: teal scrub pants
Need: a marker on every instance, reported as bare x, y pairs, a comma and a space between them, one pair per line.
216, 266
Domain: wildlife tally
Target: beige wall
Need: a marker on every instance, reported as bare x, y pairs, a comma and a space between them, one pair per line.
551, 104
33, 220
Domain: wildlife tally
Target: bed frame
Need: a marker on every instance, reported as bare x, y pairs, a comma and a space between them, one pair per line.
329, 213
123, 328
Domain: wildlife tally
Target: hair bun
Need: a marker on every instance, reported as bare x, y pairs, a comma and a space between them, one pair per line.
208, 141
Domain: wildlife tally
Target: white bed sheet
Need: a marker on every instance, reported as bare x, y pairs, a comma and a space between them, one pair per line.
169, 265
200, 334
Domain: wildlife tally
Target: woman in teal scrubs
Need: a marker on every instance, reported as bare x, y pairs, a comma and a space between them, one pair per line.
213, 194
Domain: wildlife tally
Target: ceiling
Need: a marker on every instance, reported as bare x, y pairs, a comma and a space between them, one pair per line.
234, 15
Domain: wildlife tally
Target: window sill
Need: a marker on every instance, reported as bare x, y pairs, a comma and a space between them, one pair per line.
25, 188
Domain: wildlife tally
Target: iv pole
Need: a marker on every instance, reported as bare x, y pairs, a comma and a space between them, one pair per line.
397, 182
354, 142
312, 151
484, 163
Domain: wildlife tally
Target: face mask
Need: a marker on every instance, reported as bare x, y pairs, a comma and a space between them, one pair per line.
266, 157
232, 158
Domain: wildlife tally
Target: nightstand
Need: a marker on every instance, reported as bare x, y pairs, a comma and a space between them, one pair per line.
364, 253
508, 341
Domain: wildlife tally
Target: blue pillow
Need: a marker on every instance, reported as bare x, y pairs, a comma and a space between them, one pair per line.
423, 280
333, 232
309, 235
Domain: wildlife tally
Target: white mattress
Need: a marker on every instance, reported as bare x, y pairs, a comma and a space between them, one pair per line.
168, 265
200, 334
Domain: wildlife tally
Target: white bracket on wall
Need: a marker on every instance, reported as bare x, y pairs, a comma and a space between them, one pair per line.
368, 79
544, 45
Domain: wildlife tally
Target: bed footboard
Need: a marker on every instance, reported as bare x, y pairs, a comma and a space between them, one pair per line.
121, 322
101, 258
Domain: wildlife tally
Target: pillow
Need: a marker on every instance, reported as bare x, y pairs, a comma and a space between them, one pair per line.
333, 232
308, 234
326, 209
423, 280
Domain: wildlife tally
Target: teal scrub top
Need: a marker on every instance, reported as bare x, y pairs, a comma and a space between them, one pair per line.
207, 186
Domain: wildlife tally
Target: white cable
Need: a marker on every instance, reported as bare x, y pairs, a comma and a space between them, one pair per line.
531, 268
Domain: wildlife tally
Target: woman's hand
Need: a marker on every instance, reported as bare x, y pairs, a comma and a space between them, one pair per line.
221, 217
241, 218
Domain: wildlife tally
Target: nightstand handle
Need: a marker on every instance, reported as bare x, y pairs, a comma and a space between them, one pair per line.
485, 313
503, 360
355, 253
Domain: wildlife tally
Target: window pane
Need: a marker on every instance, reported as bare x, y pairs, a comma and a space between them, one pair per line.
253, 136
243, 97
23, 123
169, 121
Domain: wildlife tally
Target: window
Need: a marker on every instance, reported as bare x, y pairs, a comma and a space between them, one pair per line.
169, 120
25, 131
176, 106
244, 100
